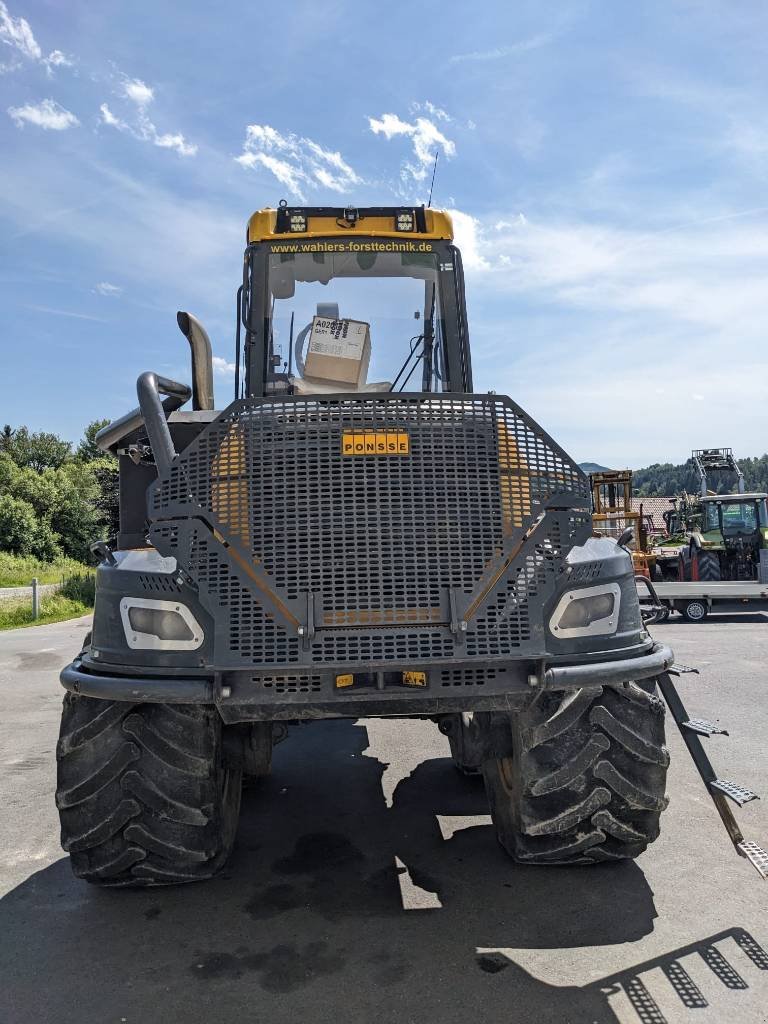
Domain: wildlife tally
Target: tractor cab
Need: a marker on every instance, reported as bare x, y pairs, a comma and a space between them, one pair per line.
735, 515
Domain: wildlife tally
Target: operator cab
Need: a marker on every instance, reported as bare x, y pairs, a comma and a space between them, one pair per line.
735, 515
352, 300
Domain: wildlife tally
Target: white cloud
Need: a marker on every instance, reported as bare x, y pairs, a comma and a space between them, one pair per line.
139, 92
466, 231
143, 128
109, 118
425, 137
563, 312
298, 163
57, 59
47, 114
68, 313
105, 288
171, 140
222, 367
17, 33
498, 52
430, 108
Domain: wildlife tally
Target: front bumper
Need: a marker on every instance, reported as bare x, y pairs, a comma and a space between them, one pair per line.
246, 696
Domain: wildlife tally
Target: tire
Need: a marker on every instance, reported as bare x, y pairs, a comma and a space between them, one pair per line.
695, 611
144, 794
707, 566
467, 745
585, 781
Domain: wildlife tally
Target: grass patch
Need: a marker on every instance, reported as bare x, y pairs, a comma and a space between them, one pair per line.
56, 608
80, 587
18, 570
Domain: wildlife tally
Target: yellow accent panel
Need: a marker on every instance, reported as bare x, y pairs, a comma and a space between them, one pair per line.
378, 443
229, 487
414, 678
261, 227
514, 481
342, 681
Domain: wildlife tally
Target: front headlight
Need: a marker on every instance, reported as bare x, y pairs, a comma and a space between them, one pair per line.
591, 611
159, 625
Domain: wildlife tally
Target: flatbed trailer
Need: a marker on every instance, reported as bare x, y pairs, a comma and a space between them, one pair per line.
695, 600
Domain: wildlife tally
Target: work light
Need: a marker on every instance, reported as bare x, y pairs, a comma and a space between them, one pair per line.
151, 625
297, 222
404, 220
587, 612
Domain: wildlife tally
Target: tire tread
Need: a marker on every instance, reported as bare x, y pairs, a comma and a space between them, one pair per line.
585, 782
144, 794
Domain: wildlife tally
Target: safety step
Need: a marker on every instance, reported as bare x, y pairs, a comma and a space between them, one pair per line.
704, 728
755, 854
738, 794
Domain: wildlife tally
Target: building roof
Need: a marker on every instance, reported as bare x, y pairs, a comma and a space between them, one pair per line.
654, 507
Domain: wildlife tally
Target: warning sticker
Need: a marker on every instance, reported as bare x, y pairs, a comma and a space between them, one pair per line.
378, 443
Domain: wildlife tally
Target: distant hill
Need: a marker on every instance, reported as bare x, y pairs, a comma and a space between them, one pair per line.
666, 478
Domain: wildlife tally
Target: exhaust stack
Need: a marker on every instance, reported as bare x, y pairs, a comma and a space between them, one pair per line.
202, 359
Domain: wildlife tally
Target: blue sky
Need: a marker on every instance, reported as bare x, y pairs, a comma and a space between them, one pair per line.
606, 164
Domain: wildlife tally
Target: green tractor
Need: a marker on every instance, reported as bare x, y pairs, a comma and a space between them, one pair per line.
730, 541
718, 536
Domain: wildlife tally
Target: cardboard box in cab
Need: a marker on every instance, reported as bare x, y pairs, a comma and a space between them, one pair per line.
338, 351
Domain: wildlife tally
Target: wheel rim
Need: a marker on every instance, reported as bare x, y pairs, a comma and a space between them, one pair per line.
506, 773
696, 611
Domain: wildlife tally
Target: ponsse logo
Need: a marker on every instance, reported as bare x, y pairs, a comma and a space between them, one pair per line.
379, 443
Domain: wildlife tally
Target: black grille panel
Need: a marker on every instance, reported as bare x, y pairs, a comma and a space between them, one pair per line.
505, 623
379, 540
159, 582
242, 626
300, 683
467, 676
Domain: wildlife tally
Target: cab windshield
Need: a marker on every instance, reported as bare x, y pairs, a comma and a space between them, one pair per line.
391, 299
737, 517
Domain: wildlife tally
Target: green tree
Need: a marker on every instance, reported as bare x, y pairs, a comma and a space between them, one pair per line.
108, 502
6, 437
76, 516
88, 450
39, 451
22, 533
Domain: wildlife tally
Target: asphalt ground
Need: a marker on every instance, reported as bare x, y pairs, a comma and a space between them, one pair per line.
366, 884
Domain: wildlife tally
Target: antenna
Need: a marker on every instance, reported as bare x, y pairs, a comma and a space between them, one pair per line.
434, 171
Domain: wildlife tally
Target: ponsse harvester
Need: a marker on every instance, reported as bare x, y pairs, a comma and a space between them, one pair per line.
357, 534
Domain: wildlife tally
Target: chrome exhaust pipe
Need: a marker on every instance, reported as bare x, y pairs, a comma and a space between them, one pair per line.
202, 359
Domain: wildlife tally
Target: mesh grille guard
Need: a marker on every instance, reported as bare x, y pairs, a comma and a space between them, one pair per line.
341, 529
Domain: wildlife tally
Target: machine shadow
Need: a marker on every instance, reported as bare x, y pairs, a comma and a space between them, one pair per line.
332, 906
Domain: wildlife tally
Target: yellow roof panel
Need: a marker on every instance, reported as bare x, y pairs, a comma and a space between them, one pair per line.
261, 226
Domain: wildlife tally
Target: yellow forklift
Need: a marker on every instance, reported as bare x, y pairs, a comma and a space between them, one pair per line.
612, 514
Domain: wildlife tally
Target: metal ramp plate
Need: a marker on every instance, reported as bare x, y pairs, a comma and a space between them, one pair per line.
704, 728
756, 855
738, 794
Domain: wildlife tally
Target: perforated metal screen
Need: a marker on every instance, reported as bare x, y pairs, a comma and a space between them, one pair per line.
379, 507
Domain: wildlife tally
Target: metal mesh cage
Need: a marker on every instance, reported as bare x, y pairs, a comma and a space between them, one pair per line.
379, 507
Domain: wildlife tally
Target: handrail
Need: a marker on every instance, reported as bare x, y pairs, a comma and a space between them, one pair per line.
114, 432
149, 387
